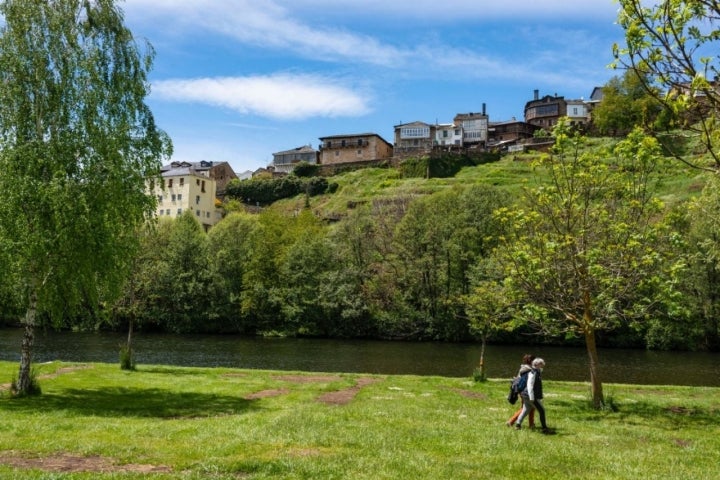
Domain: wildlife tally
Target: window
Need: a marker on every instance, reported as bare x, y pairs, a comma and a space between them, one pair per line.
197, 213
202, 189
179, 211
337, 154
360, 142
197, 181
197, 200
167, 212
445, 133
159, 198
415, 132
457, 131
173, 197
329, 144
170, 182
179, 197
182, 181
207, 214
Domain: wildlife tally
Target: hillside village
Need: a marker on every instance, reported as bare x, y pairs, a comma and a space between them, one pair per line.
200, 186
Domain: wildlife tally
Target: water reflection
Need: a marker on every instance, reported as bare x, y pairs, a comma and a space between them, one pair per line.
353, 356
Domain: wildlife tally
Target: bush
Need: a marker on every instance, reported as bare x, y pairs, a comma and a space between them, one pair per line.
127, 358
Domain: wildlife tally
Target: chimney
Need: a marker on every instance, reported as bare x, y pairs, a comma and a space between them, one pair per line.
536, 94
483, 109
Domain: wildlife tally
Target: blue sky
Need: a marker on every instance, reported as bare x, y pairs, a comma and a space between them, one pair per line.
237, 80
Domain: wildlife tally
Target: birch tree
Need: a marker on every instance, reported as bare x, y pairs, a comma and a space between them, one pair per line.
77, 144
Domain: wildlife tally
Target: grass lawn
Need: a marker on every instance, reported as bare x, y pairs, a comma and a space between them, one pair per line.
96, 421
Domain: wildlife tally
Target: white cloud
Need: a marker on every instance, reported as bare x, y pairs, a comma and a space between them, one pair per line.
265, 24
283, 96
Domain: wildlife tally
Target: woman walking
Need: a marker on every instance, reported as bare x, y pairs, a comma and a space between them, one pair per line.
533, 394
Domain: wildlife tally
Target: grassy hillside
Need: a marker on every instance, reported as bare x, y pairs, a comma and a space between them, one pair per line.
512, 172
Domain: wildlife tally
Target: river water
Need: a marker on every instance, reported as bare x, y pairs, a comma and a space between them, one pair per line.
364, 356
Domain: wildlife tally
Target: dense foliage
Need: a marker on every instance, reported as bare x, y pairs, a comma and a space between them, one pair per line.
444, 164
402, 267
264, 191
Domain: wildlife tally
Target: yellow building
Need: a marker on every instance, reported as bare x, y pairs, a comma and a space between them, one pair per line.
186, 187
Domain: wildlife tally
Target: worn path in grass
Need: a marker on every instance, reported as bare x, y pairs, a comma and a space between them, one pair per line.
66, 463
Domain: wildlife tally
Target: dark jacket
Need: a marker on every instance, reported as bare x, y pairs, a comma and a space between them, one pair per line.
534, 385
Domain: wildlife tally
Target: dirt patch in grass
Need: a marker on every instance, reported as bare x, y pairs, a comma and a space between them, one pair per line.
67, 463
58, 372
63, 370
308, 378
345, 396
470, 394
266, 394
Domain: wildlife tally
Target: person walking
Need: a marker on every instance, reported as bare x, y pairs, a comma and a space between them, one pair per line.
533, 394
525, 367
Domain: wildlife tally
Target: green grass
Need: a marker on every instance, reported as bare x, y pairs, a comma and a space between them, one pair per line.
512, 173
204, 423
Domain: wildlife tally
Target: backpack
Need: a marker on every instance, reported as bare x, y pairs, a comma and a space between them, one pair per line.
517, 385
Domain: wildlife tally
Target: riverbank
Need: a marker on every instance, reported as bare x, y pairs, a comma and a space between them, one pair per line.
95, 421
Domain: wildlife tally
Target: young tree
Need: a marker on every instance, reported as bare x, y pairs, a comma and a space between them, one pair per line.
77, 145
583, 251
625, 105
673, 48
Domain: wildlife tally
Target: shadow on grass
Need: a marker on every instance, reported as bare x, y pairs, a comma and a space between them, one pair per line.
672, 417
132, 402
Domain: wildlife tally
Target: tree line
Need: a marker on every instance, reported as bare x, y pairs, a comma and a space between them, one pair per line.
590, 255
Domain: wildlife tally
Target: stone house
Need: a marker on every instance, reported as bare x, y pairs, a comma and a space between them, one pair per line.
354, 148
415, 138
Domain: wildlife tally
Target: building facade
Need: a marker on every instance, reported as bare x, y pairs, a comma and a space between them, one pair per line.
502, 133
353, 148
286, 161
546, 111
448, 135
221, 172
578, 113
186, 188
414, 138
474, 128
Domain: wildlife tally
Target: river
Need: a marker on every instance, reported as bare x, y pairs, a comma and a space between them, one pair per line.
365, 356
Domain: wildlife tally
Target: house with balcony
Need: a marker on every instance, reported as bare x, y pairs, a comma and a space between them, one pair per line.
546, 111
188, 186
285, 161
354, 148
415, 138
474, 128
509, 132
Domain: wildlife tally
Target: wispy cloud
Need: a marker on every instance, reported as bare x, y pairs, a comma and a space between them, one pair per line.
515, 10
288, 25
284, 96
268, 25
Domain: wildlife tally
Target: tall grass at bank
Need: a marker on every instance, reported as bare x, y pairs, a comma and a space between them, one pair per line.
256, 424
